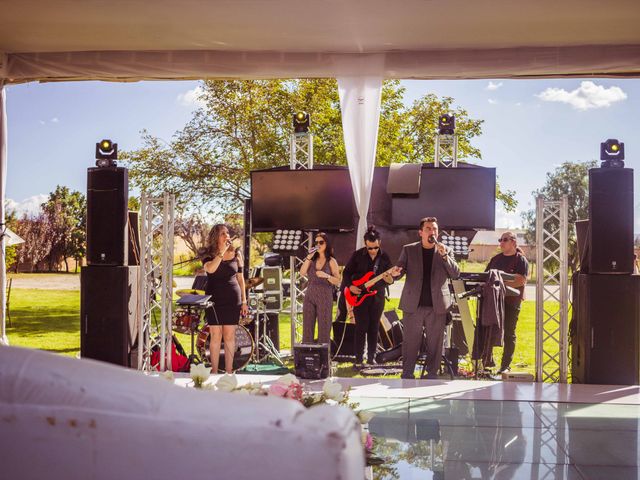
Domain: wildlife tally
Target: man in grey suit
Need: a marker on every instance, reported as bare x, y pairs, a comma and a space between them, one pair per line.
425, 296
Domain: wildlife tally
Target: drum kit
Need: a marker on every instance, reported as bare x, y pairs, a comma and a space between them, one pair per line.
188, 318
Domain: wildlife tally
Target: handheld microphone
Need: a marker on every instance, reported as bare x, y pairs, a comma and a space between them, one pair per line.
432, 239
313, 250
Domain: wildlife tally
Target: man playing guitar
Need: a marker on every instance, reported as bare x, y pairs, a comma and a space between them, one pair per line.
367, 294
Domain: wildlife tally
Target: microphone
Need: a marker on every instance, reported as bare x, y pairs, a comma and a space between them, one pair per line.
312, 250
432, 239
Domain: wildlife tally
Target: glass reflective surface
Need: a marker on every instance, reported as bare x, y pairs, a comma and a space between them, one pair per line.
480, 439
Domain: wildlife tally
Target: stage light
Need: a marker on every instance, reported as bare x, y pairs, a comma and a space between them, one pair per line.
446, 124
106, 153
459, 245
612, 154
287, 242
301, 122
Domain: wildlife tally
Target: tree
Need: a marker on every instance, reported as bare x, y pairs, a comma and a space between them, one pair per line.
246, 124
37, 234
10, 219
66, 213
571, 179
193, 230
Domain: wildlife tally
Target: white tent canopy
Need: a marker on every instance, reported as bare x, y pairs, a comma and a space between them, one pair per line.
193, 39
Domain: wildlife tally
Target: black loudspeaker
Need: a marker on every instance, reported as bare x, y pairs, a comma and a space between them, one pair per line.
610, 220
343, 339
107, 213
134, 238
311, 360
108, 313
605, 329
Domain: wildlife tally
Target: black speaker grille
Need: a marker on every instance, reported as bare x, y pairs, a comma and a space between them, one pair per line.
610, 220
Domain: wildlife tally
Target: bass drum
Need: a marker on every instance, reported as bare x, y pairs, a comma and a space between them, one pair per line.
243, 353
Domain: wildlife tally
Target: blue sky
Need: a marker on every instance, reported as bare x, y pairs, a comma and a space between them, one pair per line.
530, 127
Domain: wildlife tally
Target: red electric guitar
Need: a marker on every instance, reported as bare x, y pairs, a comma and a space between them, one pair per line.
364, 284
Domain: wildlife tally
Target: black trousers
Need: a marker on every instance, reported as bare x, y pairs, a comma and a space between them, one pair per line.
367, 317
511, 314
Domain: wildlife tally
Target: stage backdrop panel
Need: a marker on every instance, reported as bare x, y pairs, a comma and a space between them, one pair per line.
461, 198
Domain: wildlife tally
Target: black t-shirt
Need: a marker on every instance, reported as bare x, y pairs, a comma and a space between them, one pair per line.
511, 264
427, 262
361, 263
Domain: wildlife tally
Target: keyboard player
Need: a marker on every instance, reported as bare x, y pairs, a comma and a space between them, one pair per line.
511, 259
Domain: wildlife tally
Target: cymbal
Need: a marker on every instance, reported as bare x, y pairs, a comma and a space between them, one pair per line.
254, 282
189, 291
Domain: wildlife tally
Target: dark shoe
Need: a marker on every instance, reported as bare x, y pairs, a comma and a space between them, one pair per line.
372, 362
431, 376
407, 377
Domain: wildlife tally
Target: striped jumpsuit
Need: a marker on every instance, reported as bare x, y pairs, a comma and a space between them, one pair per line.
318, 304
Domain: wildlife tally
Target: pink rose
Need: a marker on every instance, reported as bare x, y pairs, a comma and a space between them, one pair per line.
294, 392
278, 390
368, 445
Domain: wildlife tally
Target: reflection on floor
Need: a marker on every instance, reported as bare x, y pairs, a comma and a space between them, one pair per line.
466, 429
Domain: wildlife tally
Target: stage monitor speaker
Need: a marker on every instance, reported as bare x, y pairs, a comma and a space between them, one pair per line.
108, 313
404, 178
343, 339
390, 331
610, 220
605, 329
107, 210
272, 279
134, 238
311, 360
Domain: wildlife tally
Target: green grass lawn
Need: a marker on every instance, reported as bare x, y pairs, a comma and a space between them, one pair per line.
50, 320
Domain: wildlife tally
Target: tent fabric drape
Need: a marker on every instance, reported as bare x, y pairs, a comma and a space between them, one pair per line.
360, 106
508, 62
3, 184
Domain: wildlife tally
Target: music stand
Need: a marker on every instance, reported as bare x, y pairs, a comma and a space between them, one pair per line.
199, 303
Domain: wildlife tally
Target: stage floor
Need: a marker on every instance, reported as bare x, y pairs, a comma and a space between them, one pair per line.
465, 429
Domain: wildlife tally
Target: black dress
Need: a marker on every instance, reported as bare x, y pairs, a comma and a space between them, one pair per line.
225, 292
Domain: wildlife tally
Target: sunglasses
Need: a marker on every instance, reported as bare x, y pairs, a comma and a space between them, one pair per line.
319, 242
373, 248
504, 239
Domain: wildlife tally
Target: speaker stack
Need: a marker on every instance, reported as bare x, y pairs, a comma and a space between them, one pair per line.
109, 282
605, 328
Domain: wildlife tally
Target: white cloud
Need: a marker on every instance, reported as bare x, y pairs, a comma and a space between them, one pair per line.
41, 122
191, 98
492, 101
55, 120
506, 219
587, 96
493, 86
29, 206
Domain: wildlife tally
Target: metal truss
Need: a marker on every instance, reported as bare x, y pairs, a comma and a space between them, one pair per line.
552, 290
548, 439
301, 158
155, 283
446, 151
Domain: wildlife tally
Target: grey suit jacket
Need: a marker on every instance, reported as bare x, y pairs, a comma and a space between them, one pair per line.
411, 262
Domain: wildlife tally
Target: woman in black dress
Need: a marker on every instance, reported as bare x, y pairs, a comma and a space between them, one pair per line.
225, 284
